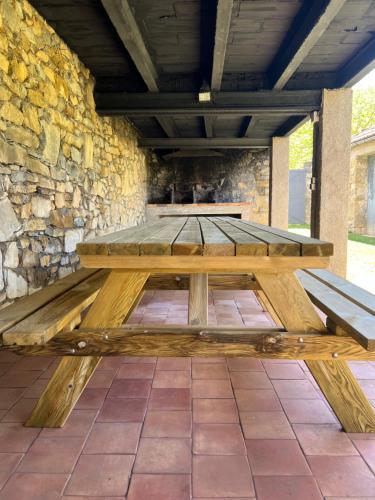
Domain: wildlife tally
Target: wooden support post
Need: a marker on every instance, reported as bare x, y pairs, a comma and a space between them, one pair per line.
279, 183
198, 299
112, 306
331, 169
335, 379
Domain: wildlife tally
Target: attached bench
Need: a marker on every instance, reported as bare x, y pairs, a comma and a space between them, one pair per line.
350, 309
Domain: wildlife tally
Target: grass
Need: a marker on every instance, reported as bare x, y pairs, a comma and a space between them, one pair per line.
361, 238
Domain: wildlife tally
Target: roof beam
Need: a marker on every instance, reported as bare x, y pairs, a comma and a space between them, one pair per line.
123, 20
358, 66
309, 25
288, 102
223, 19
290, 125
204, 143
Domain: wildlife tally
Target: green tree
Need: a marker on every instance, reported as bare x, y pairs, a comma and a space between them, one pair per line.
301, 142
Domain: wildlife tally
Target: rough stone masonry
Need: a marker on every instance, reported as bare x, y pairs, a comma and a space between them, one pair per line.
66, 174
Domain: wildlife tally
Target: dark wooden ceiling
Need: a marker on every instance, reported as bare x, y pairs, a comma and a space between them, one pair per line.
265, 60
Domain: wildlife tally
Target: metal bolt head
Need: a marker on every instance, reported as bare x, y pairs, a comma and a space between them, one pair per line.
72, 351
81, 344
106, 337
335, 355
300, 340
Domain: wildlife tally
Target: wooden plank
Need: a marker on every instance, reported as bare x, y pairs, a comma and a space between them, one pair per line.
161, 242
357, 66
304, 33
198, 299
124, 242
359, 323
215, 242
121, 15
245, 243
215, 282
205, 142
277, 245
223, 19
189, 240
14, 313
175, 264
150, 340
112, 306
52, 318
335, 379
309, 246
354, 293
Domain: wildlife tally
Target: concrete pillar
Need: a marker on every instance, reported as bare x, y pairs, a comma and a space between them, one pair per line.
331, 171
279, 183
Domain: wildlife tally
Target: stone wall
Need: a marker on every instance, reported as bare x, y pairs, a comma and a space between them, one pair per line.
66, 174
234, 176
359, 186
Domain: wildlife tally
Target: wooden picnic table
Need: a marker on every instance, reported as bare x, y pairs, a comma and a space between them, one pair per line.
200, 246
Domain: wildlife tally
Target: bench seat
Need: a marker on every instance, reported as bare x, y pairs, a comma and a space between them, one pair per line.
345, 304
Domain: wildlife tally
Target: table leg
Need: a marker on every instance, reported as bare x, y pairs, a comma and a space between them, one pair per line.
296, 312
198, 299
112, 306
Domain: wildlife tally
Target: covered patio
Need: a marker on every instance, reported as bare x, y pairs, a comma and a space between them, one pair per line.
162, 335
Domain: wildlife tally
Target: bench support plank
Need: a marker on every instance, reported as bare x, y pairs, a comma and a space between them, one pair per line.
198, 299
112, 306
335, 379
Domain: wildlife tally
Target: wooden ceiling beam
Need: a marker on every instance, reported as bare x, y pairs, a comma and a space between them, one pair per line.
288, 102
122, 18
290, 125
204, 143
358, 66
223, 19
307, 28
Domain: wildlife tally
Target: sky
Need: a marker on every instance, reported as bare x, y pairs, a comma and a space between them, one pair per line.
367, 81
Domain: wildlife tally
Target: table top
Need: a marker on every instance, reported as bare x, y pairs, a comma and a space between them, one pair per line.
204, 236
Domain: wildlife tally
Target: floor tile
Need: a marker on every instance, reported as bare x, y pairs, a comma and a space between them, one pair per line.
257, 400
284, 371
34, 363
218, 439
101, 475
343, 476
15, 378
173, 379
266, 425
130, 388
210, 371
136, 370
250, 380
167, 424
170, 399
9, 396
20, 411
15, 438
222, 476
52, 455
78, 424
8, 463
123, 410
296, 389
159, 487
29, 486
215, 411
307, 411
212, 389
36, 389
173, 364
323, 439
287, 488
101, 379
244, 364
276, 457
367, 449
91, 399
113, 437
163, 456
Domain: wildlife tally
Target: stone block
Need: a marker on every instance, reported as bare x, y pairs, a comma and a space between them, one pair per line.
9, 223
10, 113
40, 207
72, 237
52, 143
16, 285
11, 256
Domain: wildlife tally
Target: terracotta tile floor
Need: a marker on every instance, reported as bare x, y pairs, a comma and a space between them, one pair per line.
176, 428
